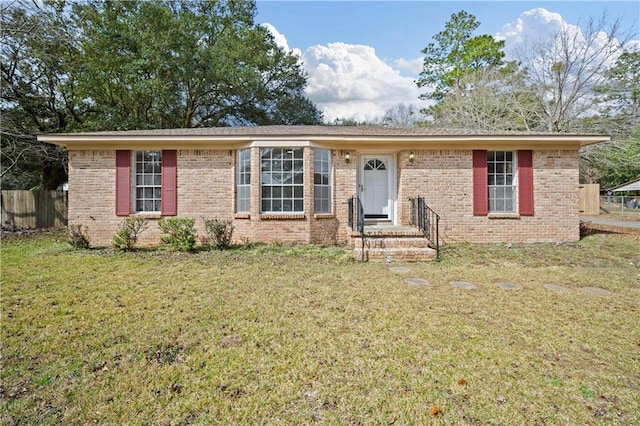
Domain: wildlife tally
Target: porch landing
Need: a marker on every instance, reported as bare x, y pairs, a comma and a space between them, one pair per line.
385, 242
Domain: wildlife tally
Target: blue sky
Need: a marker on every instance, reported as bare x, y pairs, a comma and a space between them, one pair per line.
403, 28
339, 40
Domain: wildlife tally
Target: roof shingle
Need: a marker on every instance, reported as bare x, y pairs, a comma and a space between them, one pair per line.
326, 130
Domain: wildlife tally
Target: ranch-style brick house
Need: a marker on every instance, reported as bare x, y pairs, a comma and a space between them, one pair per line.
371, 186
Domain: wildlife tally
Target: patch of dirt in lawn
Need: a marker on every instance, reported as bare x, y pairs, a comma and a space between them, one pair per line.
591, 228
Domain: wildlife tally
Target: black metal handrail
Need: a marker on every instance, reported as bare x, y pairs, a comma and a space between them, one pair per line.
356, 219
427, 221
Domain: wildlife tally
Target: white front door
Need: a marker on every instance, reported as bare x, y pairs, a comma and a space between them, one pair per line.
374, 189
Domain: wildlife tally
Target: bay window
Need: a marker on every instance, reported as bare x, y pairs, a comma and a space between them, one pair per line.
322, 180
243, 181
282, 180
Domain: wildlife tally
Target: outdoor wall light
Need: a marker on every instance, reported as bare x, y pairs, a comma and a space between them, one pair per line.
347, 157
411, 156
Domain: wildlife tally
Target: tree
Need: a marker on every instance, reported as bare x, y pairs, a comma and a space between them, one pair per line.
400, 115
619, 96
187, 64
567, 67
491, 98
38, 92
611, 164
70, 66
351, 121
456, 53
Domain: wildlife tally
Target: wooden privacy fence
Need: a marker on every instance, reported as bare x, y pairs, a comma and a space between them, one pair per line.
34, 209
589, 204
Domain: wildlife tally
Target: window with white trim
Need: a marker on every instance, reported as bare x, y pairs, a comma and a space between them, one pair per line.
322, 180
282, 180
501, 168
243, 181
147, 181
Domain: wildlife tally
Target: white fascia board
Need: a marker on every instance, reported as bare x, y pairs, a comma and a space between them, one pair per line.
280, 143
88, 141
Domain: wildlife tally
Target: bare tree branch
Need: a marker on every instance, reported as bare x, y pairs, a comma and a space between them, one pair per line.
566, 67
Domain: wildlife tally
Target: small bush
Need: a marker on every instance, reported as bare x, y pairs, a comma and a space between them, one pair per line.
77, 237
180, 233
128, 232
219, 232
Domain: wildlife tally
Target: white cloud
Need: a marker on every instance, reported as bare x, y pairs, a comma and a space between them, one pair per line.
280, 39
534, 39
540, 25
534, 24
633, 45
414, 66
350, 81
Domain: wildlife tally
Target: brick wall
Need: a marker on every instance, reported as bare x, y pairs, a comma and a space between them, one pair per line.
206, 190
206, 180
92, 201
444, 178
344, 187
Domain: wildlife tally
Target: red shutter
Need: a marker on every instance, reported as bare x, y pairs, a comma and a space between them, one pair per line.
169, 199
123, 182
525, 182
480, 183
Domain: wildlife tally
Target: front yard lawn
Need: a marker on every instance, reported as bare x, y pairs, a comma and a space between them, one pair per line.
276, 335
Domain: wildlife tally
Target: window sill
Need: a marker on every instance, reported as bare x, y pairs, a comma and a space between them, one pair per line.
503, 215
242, 216
324, 216
282, 216
148, 215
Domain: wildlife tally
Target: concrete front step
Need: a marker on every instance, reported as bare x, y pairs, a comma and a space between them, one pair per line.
379, 233
398, 254
407, 248
391, 242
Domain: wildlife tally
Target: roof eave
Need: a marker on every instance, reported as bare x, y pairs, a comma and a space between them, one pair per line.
87, 141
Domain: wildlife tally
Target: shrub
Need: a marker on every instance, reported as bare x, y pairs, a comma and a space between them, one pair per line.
128, 232
180, 233
219, 232
77, 237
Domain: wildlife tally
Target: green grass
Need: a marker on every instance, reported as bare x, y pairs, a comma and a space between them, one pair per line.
295, 335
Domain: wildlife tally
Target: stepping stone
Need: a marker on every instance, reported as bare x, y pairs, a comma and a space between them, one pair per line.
508, 286
417, 281
463, 285
399, 269
596, 290
557, 288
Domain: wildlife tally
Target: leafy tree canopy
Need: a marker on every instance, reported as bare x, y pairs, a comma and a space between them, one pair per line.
620, 94
456, 53
613, 163
187, 64
118, 65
